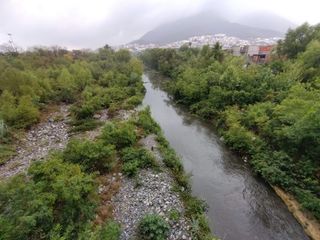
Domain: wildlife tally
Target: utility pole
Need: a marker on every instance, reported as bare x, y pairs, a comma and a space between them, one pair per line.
14, 49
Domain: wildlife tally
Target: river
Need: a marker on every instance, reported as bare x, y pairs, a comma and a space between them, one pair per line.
241, 205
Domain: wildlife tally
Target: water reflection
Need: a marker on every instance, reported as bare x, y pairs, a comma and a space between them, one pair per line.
241, 206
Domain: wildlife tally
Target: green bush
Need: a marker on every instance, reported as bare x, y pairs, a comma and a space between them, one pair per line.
141, 155
84, 125
6, 151
130, 168
194, 206
92, 156
146, 122
110, 231
135, 158
83, 111
21, 115
121, 134
309, 201
135, 100
153, 227
56, 198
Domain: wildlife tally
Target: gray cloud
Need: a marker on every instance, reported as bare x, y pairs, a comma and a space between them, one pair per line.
91, 24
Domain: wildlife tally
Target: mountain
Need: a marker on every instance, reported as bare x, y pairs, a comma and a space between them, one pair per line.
202, 24
266, 20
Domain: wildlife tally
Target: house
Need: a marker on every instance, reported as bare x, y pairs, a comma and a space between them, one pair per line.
254, 53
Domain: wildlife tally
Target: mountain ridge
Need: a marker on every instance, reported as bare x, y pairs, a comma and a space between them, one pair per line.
202, 24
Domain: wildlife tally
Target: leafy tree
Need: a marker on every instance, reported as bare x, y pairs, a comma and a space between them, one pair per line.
311, 61
8, 107
65, 86
26, 113
296, 40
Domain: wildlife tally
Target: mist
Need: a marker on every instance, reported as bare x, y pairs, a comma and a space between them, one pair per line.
94, 23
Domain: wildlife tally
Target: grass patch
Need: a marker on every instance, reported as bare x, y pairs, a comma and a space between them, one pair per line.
6, 152
84, 125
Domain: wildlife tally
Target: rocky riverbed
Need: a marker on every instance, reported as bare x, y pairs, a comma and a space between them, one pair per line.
127, 199
150, 192
50, 134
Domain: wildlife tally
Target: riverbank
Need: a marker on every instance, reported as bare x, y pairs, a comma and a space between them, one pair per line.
52, 133
125, 199
310, 225
150, 192
236, 197
308, 222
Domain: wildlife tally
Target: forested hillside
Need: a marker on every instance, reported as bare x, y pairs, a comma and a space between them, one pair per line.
269, 114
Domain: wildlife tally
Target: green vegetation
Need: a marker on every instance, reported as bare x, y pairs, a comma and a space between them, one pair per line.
174, 215
153, 227
135, 158
54, 199
110, 230
32, 80
121, 134
195, 208
93, 156
267, 113
57, 198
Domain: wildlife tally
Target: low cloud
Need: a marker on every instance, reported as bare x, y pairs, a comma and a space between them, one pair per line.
91, 24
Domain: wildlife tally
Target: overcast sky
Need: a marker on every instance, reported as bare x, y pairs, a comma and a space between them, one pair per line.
93, 23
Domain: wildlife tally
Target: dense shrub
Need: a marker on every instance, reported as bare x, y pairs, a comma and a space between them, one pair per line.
135, 158
153, 227
130, 168
84, 125
109, 230
92, 156
141, 155
83, 111
21, 115
56, 197
120, 134
145, 121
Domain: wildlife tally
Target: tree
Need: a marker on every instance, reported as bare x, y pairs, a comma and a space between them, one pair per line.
296, 40
217, 52
65, 86
26, 113
81, 74
8, 107
311, 61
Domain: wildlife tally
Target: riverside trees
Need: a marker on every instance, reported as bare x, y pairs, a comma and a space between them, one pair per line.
268, 113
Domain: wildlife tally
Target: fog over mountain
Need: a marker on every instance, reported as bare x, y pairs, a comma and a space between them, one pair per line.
94, 23
210, 22
266, 20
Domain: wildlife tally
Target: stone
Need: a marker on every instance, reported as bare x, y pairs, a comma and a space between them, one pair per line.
96, 116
